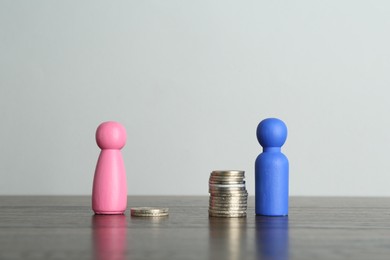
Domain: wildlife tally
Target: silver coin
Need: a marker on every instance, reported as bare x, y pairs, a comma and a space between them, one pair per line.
212, 182
212, 204
227, 184
149, 212
227, 215
223, 172
232, 194
227, 189
226, 178
228, 173
229, 180
150, 215
238, 195
228, 205
228, 198
228, 202
227, 211
222, 211
228, 192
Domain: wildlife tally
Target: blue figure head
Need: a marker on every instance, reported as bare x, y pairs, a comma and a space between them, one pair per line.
271, 132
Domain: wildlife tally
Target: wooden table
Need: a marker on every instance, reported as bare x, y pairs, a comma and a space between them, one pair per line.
61, 227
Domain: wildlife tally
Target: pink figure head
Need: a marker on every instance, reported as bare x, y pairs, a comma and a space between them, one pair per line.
111, 135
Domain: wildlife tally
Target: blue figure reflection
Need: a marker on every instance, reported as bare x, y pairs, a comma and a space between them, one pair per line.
272, 241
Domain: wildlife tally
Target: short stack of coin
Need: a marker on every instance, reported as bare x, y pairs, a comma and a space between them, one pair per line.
228, 195
149, 212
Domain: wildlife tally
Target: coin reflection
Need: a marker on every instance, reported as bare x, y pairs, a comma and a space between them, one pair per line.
227, 238
272, 241
109, 236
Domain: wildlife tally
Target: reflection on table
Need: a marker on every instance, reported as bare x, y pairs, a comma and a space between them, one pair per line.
272, 240
109, 236
227, 238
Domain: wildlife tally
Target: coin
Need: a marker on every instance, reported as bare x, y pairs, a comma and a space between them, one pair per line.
227, 177
227, 215
233, 190
229, 180
149, 212
228, 173
233, 196
216, 192
223, 172
150, 215
228, 210
227, 185
226, 188
228, 196
227, 202
228, 199
222, 204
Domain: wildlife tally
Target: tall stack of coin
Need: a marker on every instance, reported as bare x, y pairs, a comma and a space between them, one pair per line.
228, 195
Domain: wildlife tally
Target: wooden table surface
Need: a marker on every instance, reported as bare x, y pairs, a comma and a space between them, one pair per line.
63, 227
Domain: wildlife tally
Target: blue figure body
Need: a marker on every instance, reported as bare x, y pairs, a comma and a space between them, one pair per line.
271, 169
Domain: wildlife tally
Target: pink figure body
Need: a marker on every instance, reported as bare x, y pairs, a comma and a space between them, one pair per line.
109, 193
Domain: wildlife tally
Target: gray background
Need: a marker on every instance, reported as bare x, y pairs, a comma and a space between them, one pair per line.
190, 80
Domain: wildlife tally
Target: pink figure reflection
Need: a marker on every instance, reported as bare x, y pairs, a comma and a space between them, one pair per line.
109, 236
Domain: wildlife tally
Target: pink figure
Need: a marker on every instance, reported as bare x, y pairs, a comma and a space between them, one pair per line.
109, 193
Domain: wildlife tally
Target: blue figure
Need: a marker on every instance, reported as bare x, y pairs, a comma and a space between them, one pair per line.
271, 169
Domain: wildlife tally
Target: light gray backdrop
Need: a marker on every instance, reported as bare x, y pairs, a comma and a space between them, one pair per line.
190, 80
